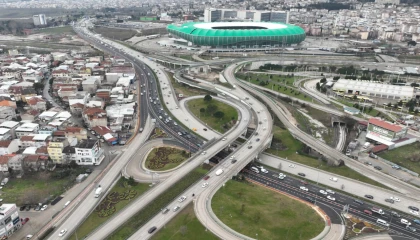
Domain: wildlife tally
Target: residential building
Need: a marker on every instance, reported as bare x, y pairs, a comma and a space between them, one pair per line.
9, 147
69, 154
76, 132
90, 85
60, 73
27, 129
55, 149
16, 163
34, 162
7, 114
4, 164
7, 102
28, 93
89, 152
77, 109
5, 134
120, 115
95, 117
221, 15
40, 20
12, 125
9, 220
37, 103
36, 140
107, 134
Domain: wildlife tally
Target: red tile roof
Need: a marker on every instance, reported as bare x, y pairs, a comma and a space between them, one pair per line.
42, 150
34, 100
59, 133
74, 129
26, 138
31, 158
5, 143
4, 159
93, 111
385, 125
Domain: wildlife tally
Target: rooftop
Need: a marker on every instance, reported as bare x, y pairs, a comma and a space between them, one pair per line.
386, 125
89, 143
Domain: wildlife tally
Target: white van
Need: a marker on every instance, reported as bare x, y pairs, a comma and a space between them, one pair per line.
254, 169
218, 172
382, 222
66, 204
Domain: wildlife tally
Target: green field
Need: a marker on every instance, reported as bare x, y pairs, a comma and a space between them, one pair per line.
282, 85
221, 125
290, 148
276, 78
165, 158
181, 88
94, 220
184, 226
407, 156
57, 30
260, 213
115, 33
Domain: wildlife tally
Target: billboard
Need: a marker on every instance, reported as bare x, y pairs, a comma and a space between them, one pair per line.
380, 132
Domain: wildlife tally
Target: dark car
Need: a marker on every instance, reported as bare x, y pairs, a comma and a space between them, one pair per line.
257, 140
22, 208
152, 229
234, 161
249, 147
389, 200
377, 167
395, 214
234, 145
206, 177
309, 199
28, 207
301, 174
369, 196
88, 171
413, 208
368, 163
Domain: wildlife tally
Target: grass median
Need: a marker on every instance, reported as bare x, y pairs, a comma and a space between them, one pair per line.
286, 146
116, 200
184, 226
165, 158
207, 111
260, 213
154, 207
407, 156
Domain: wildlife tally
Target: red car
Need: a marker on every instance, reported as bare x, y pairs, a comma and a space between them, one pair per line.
303, 182
24, 220
206, 177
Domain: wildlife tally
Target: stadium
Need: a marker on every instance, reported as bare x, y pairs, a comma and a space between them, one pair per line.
238, 34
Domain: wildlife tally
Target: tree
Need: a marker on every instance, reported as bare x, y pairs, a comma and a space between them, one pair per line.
416, 111
131, 181
207, 98
219, 114
323, 80
202, 110
38, 86
411, 43
370, 109
411, 108
211, 108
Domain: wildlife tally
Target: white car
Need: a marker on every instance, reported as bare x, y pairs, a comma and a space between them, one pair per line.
204, 184
395, 199
323, 192
181, 199
303, 188
62, 232
331, 198
292, 165
330, 191
406, 222
224, 139
264, 170
44, 207
333, 179
232, 157
414, 212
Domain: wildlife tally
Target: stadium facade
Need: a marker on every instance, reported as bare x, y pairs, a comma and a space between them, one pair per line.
238, 34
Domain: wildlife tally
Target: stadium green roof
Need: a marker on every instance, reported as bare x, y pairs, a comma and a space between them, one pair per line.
227, 33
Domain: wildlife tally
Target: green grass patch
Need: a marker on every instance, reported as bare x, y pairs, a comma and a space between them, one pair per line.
285, 146
407, 156
230, 115
94, 220
115, 33
186, 57
264, 214
57, 30
154, 207
287, 79
181, 88
184, 226
165, 158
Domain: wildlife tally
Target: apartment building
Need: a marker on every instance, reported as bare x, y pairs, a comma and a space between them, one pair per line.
89, 152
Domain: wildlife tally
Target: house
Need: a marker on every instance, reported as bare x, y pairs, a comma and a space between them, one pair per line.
48, 115
16, 163
60, 73
55, 149
77, 109
7, 114
37, 103
76, 132
120, 116
4, 164
90, 85
104, 94
27, 129
5, 134
69, 154
12, 125
36, 140
66, 91
28, 93
95, 117
32, 162
9, 147
29, 115
89, 152
107, 134
7, 102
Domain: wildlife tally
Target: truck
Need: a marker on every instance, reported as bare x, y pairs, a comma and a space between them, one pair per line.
378, 210
98, 191
5, 181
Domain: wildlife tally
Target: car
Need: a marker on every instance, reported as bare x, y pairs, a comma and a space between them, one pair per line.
414, 212
232, 157
301, 174
44, 207
395, 214
303, 182
282, 176
304, 188
389, 200
331, 198
377, 168
165, 210
224, 139
29, 236
22, 208
249, 147
330, 191
417, 221
62, 232
292, 165
204, 184
204, 153
234, 161
206, 177
152, 229
334, 179
413, 208
38, 207
368, 163
205, 129
410, 228
181, 199
25, 220
405, 221
263, 170
323, 192
176, 208
395, 199
28, 207
257, 140
396, 167
368, 196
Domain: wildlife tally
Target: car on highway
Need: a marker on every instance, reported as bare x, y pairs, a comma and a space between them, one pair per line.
368, 163
301, 174
151, 230
204, 184
409, 228
165, 210
292, 165
417, 221
303, 188
378, 168
368, 196
282, 176
395, 214
323, 192
249, 147
204, 153
414, 212
62, 232
44, 207
233, 161
395, 199
331, 198
330, 191
303, 182
224, 139
405, 221
334, 179
25, 220
176, 208
413, 208
389, 200
257, 140
181, 199
232, 157
263, 170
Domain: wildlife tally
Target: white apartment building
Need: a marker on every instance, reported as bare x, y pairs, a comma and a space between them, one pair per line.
27, 129
226, 15
89, 152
